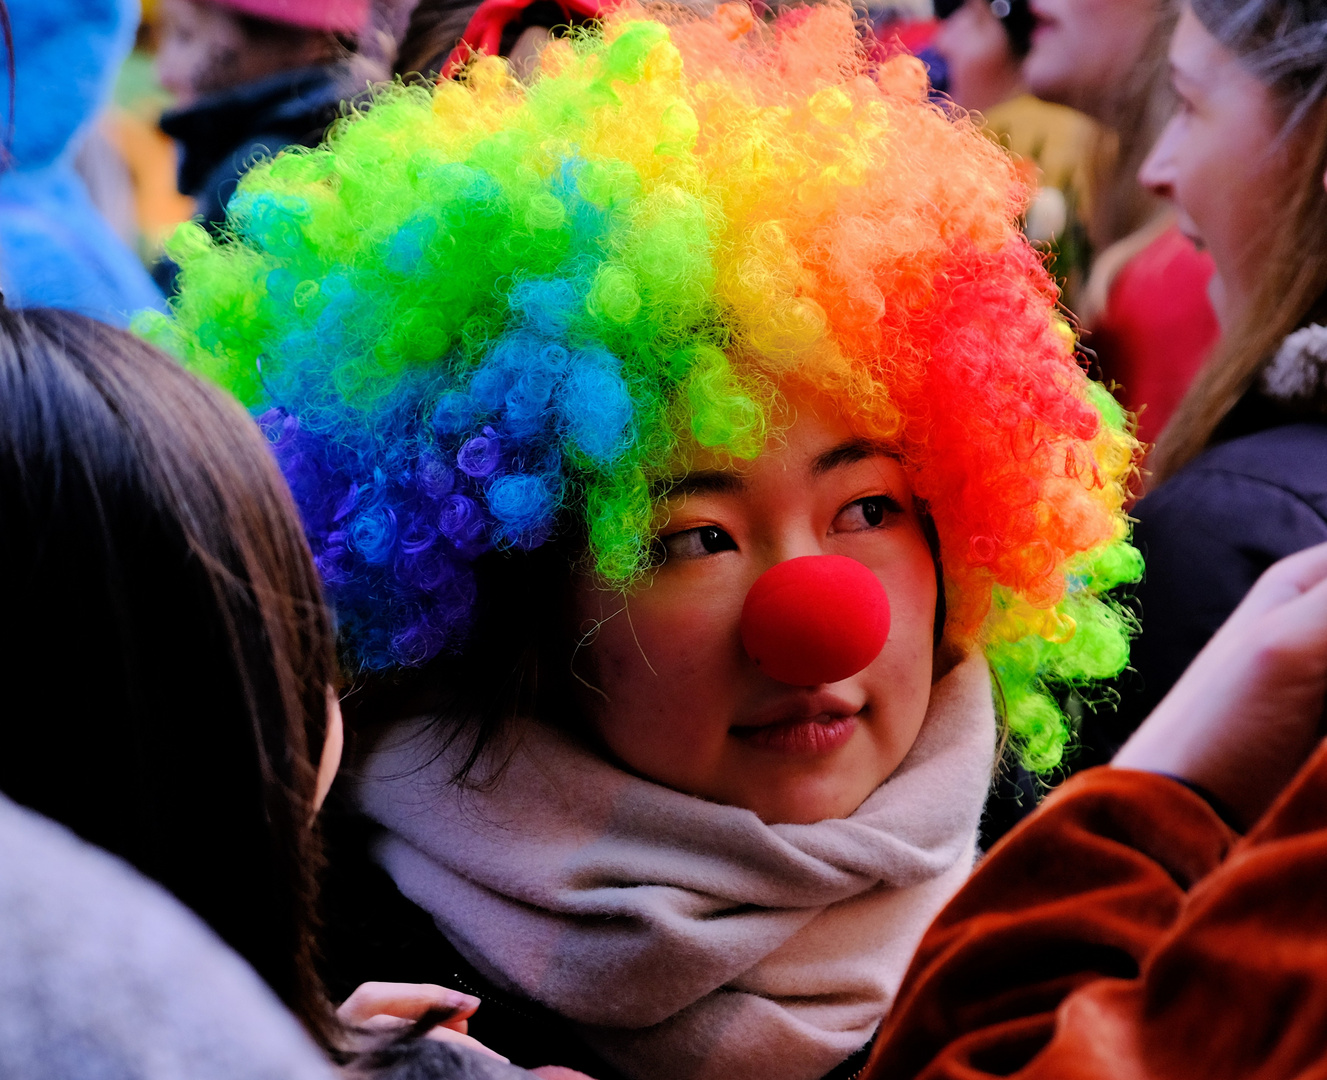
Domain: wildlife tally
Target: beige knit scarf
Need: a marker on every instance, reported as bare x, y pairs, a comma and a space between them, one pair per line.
685, 939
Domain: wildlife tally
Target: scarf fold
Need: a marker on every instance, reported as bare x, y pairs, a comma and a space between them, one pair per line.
687, 939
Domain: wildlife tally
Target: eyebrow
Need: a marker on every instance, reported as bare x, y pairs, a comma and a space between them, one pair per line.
720, 482
704, 482
849, 453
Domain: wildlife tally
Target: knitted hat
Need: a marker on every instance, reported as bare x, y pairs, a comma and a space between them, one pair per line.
333, 16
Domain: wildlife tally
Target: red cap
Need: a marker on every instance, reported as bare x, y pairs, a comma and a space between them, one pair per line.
333, 16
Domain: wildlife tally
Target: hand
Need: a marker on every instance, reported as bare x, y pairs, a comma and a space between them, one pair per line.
1248, 711
557, 1072
382, 1006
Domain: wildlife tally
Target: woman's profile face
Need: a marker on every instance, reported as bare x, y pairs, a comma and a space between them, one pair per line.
671, 691
1084, 52
1221, 162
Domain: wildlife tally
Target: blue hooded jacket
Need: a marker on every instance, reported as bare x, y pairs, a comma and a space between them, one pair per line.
56, 250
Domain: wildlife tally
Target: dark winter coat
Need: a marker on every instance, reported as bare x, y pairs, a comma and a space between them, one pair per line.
221, 135
1206, 535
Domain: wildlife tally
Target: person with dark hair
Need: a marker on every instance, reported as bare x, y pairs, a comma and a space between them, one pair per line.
443, 34
614, 403
1240, 475
978, 48
158, 545
250, 77
163, 601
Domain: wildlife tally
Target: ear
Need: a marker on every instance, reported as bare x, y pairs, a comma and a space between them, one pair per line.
333, 744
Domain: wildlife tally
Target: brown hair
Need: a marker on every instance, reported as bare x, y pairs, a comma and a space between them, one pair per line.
1292, 289
160, 593
1124, 216
434, 30
1120, 204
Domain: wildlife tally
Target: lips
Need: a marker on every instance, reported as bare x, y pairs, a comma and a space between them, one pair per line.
1193, 238
1041, 22
805, 723
819, 735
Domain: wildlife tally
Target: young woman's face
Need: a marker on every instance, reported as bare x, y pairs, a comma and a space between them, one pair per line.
983, 70
1084, 51
1220, 162
672, 693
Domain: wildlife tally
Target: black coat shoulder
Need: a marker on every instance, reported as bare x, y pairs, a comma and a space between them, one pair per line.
1206, 535
220, 135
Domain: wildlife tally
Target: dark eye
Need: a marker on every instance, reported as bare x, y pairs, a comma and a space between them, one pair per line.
869, 513
696, 543
873, 510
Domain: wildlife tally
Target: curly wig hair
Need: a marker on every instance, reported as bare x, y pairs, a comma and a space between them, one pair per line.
484, 313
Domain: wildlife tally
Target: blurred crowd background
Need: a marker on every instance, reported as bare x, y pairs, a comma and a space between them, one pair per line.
120, 122
130, 121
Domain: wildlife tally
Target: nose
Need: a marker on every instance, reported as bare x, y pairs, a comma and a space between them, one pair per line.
1157, 173
816, 619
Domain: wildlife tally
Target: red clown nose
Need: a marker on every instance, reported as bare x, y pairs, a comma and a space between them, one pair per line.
813, 620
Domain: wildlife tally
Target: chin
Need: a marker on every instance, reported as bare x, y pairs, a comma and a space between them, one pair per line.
1044, 74
817, 799
1219, 298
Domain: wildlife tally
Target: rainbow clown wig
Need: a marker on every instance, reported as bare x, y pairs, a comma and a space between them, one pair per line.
483, 313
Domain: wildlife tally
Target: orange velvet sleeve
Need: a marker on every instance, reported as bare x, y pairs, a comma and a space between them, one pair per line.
1124, 932
1055, 925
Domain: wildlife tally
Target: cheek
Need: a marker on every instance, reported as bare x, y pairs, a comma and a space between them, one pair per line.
912, 602
1199, 188
662, 694
902, 561
990, 56
657, 654
975, 57
1223, 181
1076, 28
1103, 41
1119, 29
898, 684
